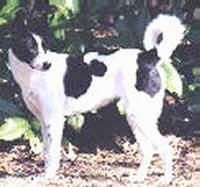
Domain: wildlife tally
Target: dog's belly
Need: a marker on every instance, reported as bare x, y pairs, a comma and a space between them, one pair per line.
94, 98
78, 106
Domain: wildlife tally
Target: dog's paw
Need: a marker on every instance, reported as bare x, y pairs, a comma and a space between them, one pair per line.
49, 174
70, 153
72, 156
136, 178
165, 180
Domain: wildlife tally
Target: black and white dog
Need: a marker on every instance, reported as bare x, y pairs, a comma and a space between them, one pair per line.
54, 85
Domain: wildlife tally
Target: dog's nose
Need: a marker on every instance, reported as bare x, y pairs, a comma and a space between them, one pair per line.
46, 65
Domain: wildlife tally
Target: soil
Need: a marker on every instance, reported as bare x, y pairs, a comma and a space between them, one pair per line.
103, 168
108, 154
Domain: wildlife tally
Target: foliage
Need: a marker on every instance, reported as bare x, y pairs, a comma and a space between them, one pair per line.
16, 127
173, 80
78, 26
8, 10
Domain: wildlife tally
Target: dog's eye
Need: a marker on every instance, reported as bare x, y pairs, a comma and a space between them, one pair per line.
44, 46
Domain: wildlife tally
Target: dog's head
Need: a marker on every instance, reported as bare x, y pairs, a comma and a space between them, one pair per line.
28, 47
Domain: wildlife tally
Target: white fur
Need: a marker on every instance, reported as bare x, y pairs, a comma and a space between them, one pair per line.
42, 57
43, 93
173, 33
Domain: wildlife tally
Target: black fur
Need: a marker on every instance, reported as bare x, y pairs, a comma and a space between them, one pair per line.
103, 51
159, 38
77, 78
148, 78
97, 68
79, 75
25, 47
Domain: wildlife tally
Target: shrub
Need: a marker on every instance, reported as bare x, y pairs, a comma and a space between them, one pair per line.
78, 26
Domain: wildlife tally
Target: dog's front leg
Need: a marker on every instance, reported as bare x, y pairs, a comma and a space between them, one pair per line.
52, 130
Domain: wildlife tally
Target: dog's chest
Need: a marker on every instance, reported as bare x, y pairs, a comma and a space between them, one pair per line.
21, 71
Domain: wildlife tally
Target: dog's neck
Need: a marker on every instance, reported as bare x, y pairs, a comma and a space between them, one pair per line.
21, 71
24, 73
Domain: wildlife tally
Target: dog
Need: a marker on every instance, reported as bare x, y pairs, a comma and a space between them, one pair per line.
55, 85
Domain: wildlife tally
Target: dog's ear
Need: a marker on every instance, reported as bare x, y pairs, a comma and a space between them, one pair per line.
19, 24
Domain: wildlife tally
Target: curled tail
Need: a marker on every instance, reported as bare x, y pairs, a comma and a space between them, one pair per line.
164, 33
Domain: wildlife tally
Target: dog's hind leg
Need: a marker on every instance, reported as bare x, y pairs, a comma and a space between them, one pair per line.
146, 148
165, 151
143, 123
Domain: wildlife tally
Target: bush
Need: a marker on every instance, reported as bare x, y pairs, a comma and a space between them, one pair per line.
78, 26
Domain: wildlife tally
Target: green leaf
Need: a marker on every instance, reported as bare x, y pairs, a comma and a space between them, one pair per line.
76, 122
196, 71
7, 12
194, 86
120, 107
16, 127
2, 21
57, 2
13, 128
173, 79
34, 142
9, 108
64, 5
74, 5
35, 125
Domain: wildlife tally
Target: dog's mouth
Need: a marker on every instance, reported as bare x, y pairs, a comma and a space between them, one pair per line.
41, 67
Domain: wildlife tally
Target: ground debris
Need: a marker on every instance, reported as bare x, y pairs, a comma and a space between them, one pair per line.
101, 169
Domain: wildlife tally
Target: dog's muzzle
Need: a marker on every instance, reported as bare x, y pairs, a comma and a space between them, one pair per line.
42, 67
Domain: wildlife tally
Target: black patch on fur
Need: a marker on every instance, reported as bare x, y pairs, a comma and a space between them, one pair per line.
78, 76
148, 78
97, 68
104, 51
159, 38
44, 46
25, 47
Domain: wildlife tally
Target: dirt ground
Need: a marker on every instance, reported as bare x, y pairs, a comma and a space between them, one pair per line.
103, 168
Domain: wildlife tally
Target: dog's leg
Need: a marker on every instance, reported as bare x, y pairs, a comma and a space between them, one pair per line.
166, 153
142, 113
146, 148
52, 131
52, 120
150, 141
162, 147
